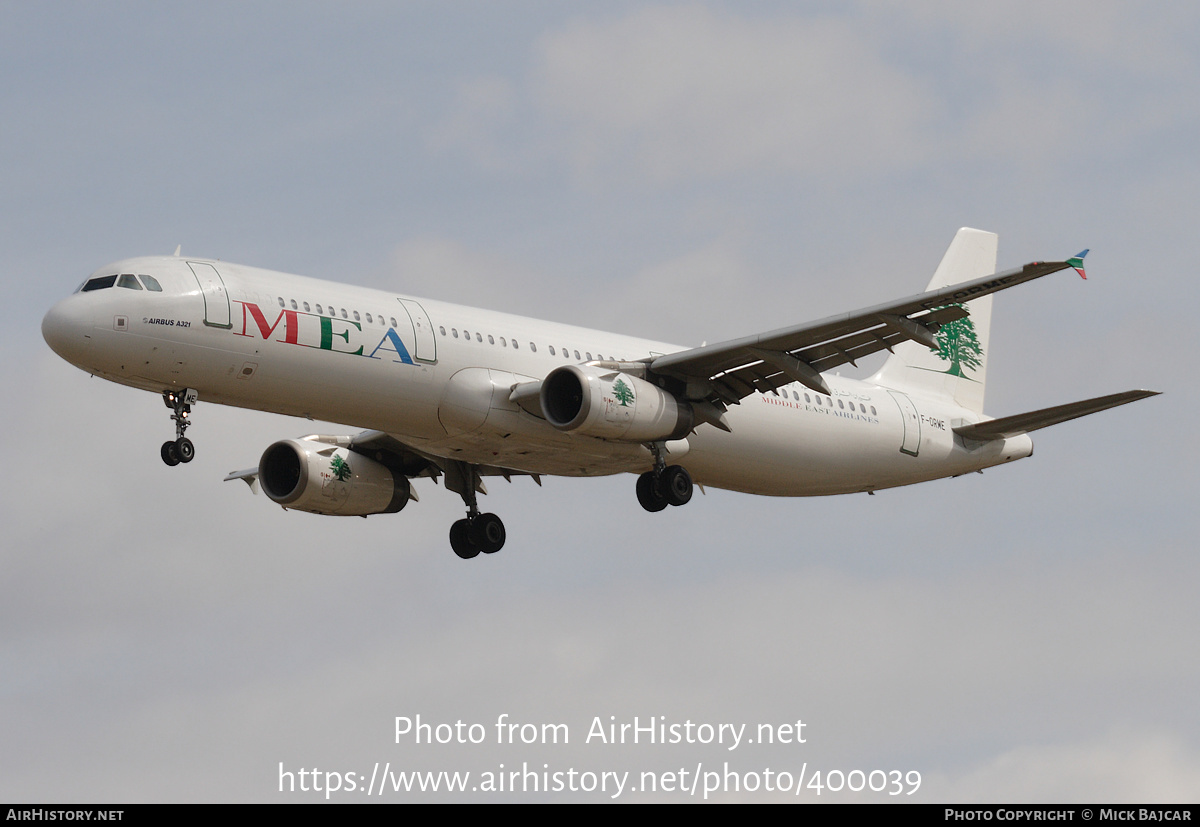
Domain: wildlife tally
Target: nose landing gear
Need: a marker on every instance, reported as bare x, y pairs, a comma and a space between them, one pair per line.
181, 449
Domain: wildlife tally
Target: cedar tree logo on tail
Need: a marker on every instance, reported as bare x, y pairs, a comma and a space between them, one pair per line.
958, 345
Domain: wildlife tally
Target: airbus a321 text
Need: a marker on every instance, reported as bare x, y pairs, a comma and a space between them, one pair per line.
463, 394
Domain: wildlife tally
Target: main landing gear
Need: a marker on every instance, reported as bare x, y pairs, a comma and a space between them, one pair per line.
476, 532
181, 449
665, 485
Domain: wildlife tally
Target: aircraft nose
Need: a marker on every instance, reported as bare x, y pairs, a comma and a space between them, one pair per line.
67, 328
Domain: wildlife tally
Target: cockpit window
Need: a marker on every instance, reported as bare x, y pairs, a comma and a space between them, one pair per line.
129, 282
151, 284
98, 283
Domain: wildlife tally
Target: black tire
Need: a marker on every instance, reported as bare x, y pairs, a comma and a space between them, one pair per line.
460, 540
169, 454
487, 533
676, 485
649, 493
184, 449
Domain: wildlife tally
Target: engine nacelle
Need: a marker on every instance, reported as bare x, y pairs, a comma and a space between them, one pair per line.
605, 403
325, 479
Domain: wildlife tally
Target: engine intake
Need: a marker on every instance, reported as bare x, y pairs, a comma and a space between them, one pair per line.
604, 403
325, 479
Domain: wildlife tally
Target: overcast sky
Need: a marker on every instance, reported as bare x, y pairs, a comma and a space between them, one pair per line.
686, 172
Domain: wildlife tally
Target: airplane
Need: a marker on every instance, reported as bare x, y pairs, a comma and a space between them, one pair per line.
458, 393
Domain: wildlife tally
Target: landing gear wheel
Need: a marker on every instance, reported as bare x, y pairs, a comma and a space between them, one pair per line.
676, 485
184, 449
649, 493
170, 455
460, 540
487, 533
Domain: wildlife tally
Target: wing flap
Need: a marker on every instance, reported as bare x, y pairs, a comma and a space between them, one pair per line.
1024, 423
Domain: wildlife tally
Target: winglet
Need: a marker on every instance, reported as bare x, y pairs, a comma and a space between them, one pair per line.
1077, 264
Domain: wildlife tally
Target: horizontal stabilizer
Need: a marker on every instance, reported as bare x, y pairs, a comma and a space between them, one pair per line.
1024, 423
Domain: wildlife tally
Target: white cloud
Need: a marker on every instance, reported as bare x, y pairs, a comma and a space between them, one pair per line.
687, 91
1122, 766
444, 268
670, 94
482, 109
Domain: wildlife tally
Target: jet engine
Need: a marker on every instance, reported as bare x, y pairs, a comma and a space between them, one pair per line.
605, 403
327, 479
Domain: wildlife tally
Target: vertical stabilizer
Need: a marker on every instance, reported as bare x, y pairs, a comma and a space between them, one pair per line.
957, 369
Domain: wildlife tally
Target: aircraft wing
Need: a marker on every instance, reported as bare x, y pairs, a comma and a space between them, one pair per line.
417, 463
395, 454
728, 371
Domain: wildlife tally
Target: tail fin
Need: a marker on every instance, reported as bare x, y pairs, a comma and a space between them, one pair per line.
958, 368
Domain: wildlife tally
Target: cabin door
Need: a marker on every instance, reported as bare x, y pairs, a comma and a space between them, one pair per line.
911, 443
216, 298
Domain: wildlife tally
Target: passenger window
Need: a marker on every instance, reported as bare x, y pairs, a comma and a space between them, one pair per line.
840, 405
344, 316
478, 337
151, 284
357, 318
393, 321
589, 356
503, 342
491, 341
443, 329
369, 319
532, 347
319, 310
795, 396
819, 402
873, 411
552, 353
281, 304
516, 346
807, 398
454, 330
128, 281
306, 308
99, 283
294, 306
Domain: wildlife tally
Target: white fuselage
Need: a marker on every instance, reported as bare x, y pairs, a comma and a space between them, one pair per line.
437, 377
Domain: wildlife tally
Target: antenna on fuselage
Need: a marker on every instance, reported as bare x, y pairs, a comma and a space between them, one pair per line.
178, 250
